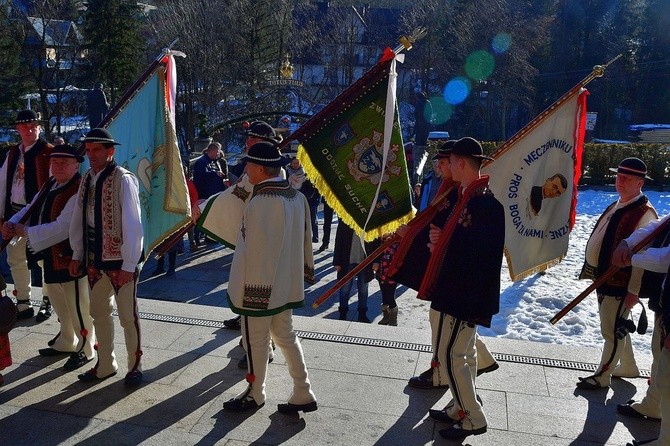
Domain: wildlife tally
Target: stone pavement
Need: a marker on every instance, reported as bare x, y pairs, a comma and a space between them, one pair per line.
359, 373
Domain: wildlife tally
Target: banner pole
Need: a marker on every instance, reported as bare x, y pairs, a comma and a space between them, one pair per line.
598, 71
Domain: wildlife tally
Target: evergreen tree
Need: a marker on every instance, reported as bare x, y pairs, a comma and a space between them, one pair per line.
12, 78
112, 32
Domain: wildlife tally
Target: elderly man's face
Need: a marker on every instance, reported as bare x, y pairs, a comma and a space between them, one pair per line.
63, 169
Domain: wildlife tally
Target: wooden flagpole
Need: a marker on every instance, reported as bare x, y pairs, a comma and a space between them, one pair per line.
598, 71
609, 273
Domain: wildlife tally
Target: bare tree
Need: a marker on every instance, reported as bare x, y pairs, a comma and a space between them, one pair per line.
51, 52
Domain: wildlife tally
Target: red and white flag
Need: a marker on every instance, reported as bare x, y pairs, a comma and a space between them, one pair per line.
534, 175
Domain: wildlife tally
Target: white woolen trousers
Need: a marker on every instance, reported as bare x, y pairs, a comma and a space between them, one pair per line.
70, 308
18, 265
102, 304
280, 326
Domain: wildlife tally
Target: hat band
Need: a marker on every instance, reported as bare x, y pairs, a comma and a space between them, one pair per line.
25, 121
97, 139
629, 171
255, 158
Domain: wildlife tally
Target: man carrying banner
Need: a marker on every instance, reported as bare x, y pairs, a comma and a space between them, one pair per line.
22, 175
414, 246
106, 237
47, 237
620, 293
463, 281
273, 258
655, 260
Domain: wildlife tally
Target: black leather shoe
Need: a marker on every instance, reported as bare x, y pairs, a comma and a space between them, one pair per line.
289, 408
133, 379
234, 323
75, 361
440, 415
44, 313
51, 352
241, 405
91, 376
628, 411
641, 442
492, 368
322, 248
456, 432
424, 381
590, 383
25, 314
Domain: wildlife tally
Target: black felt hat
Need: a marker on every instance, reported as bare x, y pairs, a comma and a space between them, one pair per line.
101, 136
443, 151
27, 116
632, 166
468, 147
265, 153
66, 151
260, 129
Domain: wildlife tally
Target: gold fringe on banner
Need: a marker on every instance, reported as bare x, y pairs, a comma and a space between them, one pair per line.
332, 200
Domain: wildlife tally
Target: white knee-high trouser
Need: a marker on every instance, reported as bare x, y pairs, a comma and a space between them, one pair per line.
256, 333
71, 302
102, 305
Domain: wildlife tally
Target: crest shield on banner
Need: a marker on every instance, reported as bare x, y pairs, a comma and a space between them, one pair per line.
352, 151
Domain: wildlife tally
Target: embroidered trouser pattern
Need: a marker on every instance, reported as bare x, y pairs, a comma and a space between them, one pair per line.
102, 304
650, 405
18, 265
461, 365
280, 326
71, 302
610, 309
483, 355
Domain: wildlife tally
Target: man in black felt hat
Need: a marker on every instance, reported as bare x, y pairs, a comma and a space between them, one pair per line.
254, 132
106, 236
272, 260
24, 172
47, 237
463, 283
620, 293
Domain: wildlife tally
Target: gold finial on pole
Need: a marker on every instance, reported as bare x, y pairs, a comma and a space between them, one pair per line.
598, 71
406, 42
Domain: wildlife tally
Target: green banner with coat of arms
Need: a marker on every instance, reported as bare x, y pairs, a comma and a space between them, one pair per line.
342, 153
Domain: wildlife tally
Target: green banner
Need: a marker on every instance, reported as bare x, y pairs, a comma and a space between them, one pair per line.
343, 157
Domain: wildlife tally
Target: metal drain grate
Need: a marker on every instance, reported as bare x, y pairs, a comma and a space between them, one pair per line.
503, 357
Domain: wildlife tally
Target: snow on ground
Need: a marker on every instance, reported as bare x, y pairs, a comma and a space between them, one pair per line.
527, 306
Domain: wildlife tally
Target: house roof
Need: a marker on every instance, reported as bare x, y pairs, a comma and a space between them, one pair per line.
54, 32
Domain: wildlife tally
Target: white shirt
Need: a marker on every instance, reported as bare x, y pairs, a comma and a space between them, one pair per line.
44, 235
131, 223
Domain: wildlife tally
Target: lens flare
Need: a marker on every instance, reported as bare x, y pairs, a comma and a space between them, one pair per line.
501, 43
479, 65
457, 90
437, 111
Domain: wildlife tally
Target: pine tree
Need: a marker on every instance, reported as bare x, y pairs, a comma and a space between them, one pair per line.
113, 39
11, 77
